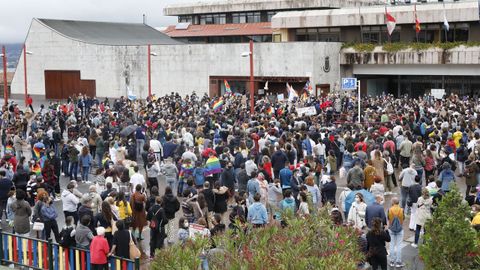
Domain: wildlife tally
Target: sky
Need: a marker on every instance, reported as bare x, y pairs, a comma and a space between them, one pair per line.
15, 20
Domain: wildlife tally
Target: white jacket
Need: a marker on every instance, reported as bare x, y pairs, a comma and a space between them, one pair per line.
356, 215
69, 201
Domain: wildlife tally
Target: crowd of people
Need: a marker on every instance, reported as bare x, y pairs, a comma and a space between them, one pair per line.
225, 168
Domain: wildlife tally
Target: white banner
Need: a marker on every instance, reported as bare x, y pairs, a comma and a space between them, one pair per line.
438, 93
308, 111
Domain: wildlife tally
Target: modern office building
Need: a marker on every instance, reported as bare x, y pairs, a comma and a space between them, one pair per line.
237, 21
319, 41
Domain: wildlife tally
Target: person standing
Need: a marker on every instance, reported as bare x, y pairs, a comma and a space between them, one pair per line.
49, 218
99, 250
171, 205
158, 220
356, 215
5, 186
424, 212
405, 151
257, 213
70, 202
85, 161
22, 211
395, 221
29, 102
139, 217
407, 179
376, 239
375, 210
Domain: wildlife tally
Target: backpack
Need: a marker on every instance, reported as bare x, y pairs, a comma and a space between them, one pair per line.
66, 240
154, 223
396, 226
138, 206
389, 167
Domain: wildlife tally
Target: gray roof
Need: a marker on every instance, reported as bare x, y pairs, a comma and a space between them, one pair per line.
109, 33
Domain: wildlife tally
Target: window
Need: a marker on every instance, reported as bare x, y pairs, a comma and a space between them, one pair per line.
318, 34
270, 14
371, 37
457, 32
277, 38
253, 17
426, 36
329, 37
239, 18
184, 19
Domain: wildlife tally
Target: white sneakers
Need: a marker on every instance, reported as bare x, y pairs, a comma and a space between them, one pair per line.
414, 245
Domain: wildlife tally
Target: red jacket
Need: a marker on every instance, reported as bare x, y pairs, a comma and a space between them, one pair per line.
29, 100
99, 250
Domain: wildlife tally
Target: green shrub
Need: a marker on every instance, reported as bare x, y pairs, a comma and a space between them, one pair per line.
312, 243
451, 243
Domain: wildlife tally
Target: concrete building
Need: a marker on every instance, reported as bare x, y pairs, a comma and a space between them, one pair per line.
409, 68
238, 21
111, 59
322, 41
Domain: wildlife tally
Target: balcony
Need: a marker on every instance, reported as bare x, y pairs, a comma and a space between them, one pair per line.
411, 54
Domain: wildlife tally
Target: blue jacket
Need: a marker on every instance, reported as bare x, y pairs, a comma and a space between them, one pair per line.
375, 210
285, 177
139, 133
48, 212
169, 149
446, 176
253, 187
257, 213
85, 161
199, 177
288, 204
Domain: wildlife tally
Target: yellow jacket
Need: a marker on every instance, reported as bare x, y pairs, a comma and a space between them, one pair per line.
124, 211
476, 219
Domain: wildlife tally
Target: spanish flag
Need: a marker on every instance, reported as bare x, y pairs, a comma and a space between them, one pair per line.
418, 28
269, 111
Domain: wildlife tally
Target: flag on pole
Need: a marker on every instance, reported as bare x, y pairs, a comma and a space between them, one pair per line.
266, 86
391, 22
418, 28
292, 94
228, 90
217, 105
308, 87
446, 25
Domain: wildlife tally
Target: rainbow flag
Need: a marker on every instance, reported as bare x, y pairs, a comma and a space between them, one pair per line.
217, 106
228, 90
37, 169
269, 111
212, 166
9, 149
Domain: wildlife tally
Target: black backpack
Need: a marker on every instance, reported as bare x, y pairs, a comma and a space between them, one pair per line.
66, 240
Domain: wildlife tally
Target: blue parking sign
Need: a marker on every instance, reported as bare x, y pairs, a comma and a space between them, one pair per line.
349, 83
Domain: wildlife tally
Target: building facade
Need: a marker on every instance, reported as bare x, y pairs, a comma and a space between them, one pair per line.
111, 60
238, 21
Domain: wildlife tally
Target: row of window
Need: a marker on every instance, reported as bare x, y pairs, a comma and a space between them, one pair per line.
230, 39
222, 18
379, 35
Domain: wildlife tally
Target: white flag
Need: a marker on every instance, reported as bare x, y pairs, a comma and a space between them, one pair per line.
445, 21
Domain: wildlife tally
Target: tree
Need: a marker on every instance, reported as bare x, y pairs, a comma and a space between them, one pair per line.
312, 243
450, 242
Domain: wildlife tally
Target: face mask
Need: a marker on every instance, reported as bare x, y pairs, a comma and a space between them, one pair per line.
357, 200
382, 202
185, 224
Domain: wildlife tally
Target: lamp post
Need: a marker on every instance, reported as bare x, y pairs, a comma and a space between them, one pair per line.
150, 54
5, 84
252, 90
25, 52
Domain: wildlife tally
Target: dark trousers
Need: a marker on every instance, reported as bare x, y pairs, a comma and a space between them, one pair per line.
71, 214
99, 266
31, 108
417, 233
378, 261
51, 225
65, 167
73, 170
404, 161
3, 207
157, 239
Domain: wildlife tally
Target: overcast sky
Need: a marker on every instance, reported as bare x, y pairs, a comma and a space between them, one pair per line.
17, 15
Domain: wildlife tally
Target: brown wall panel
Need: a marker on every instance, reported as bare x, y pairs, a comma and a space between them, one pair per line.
60, 84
